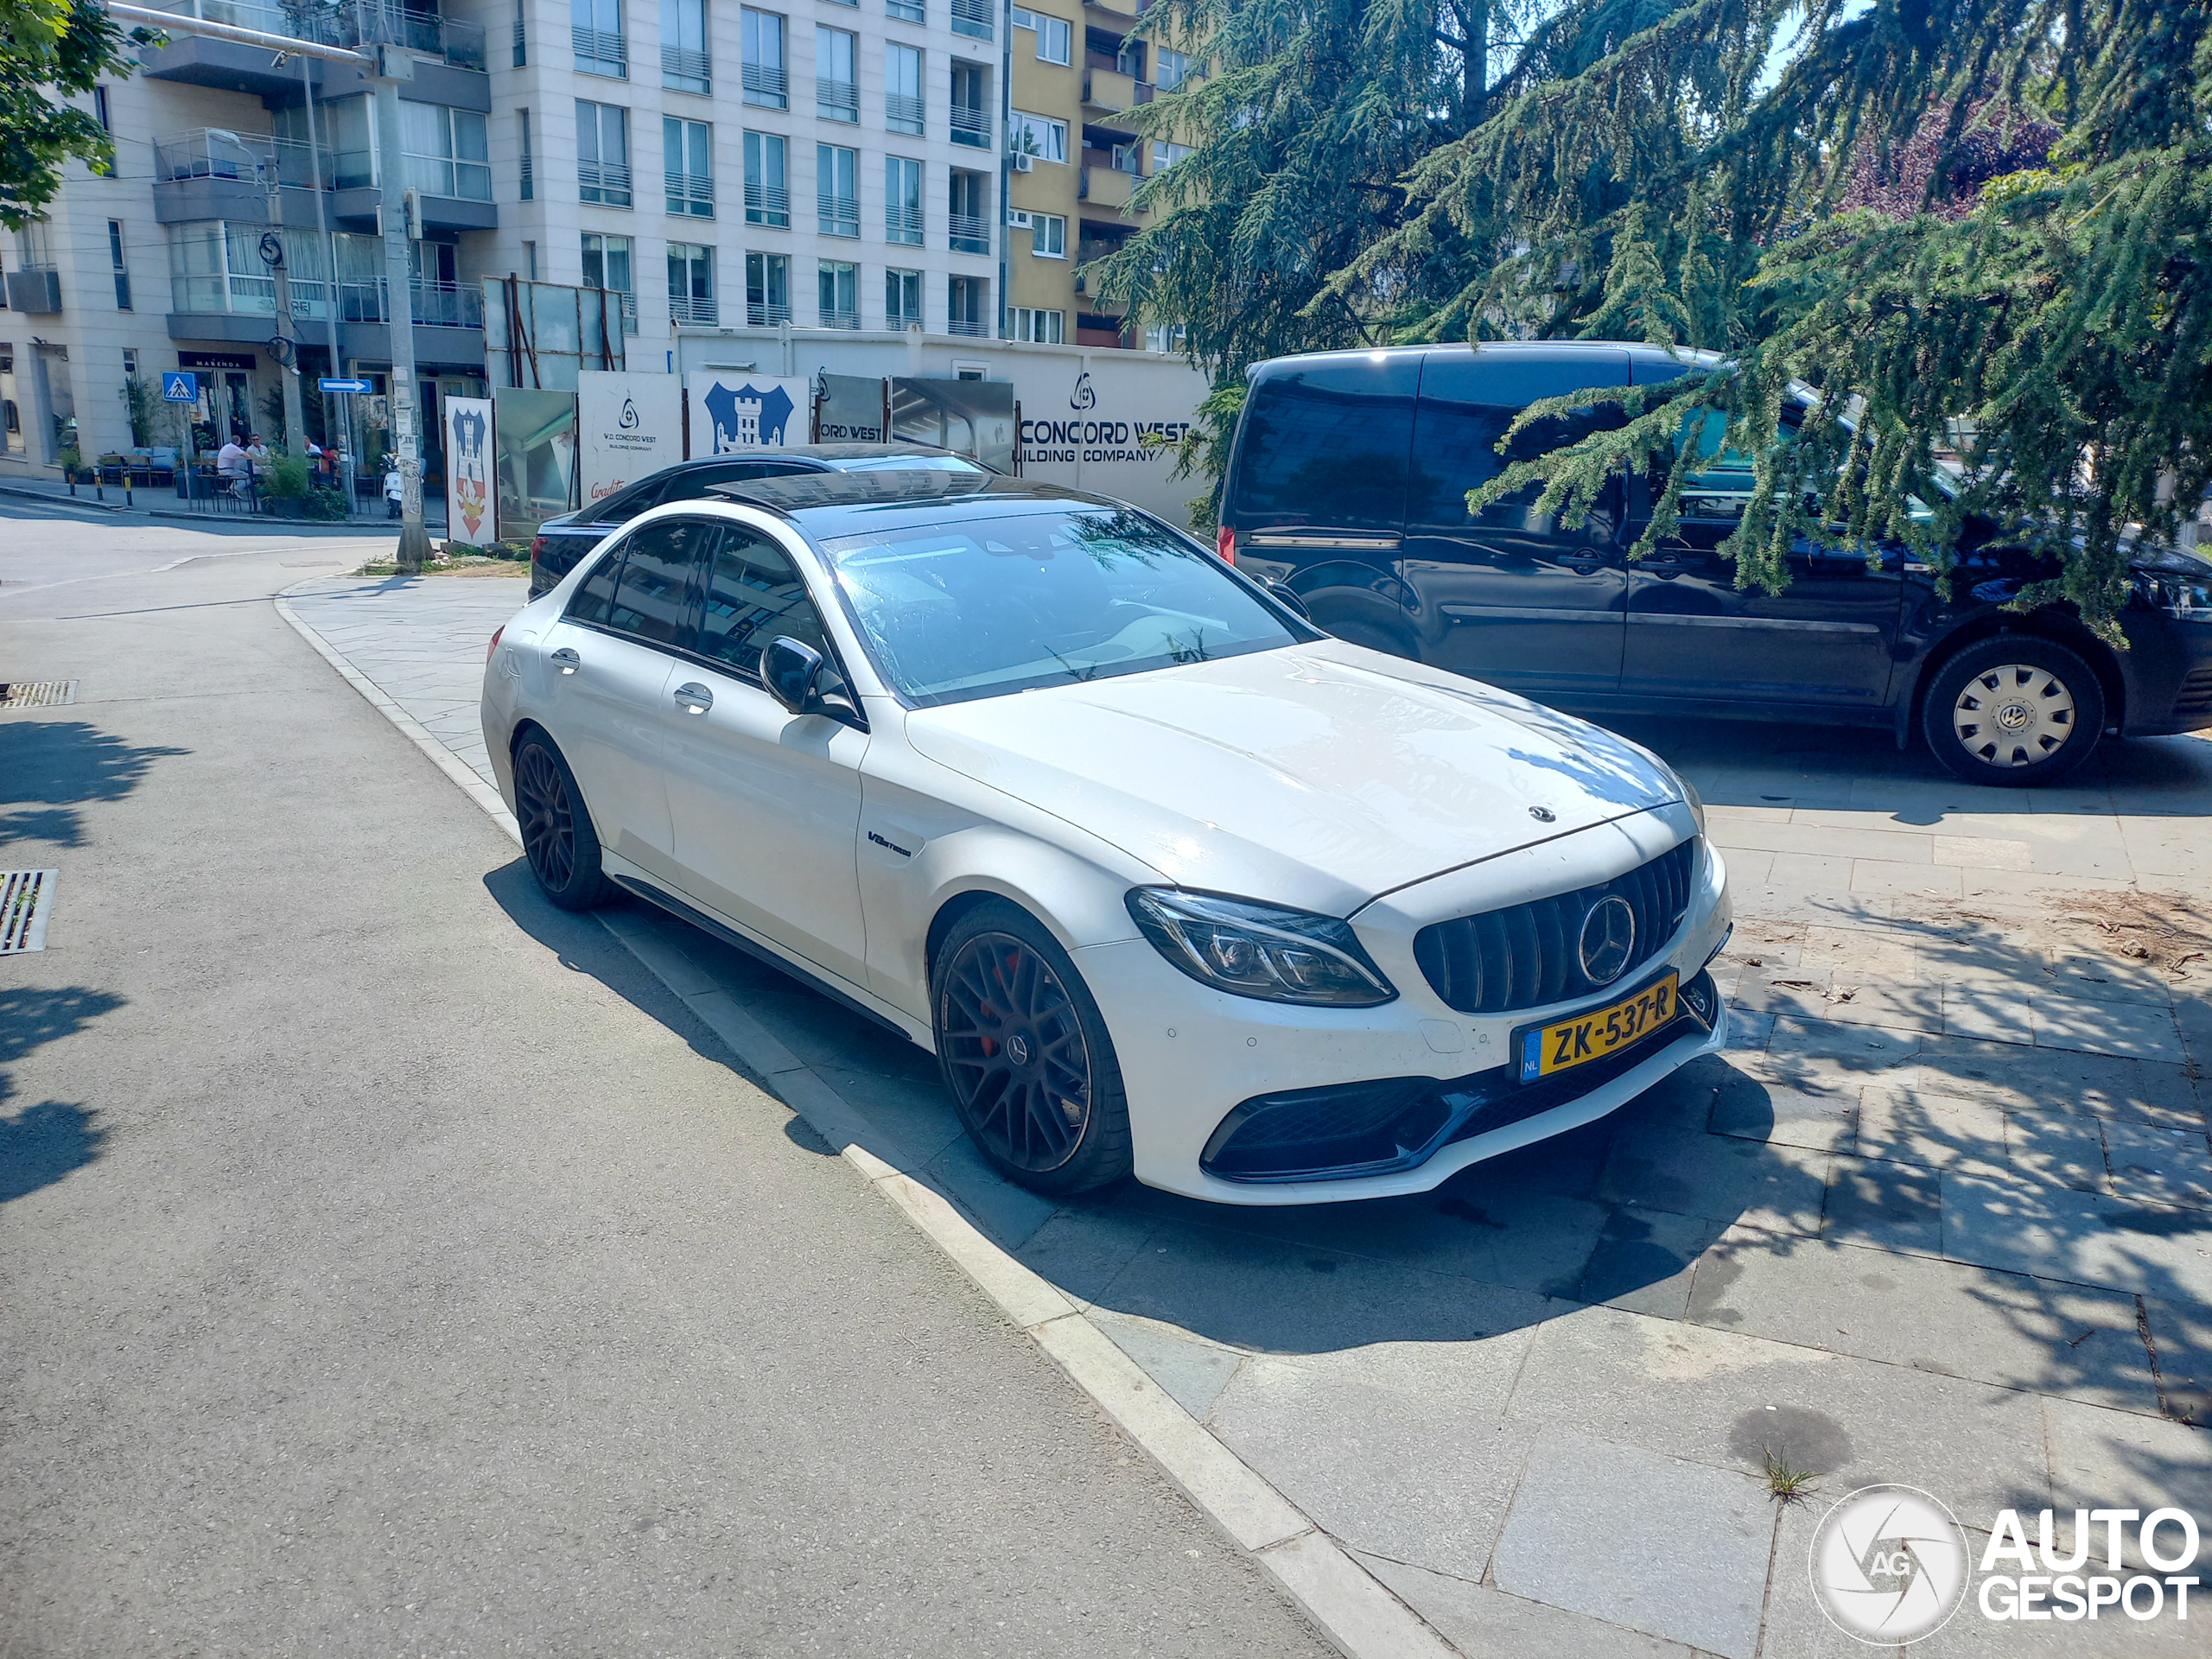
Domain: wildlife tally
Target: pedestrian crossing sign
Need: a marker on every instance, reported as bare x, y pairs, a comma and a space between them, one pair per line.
179, 386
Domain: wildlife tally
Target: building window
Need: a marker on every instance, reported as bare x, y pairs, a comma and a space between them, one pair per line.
690, 282
902, 200
603, 153
836, 75
972, 17
529, 259
1048, 235
1166, 155
968, 222
1037, 136
100, 110
906, 11
837, 190
767, 289
902, 299
1053, 34
971, 105
686, 61
767, 83
838, 286
522, 34
1043, 327
448, 151
130, 363
595, 32
1169, 68
686, 166
528, 166
1127, 158
607, 264
967, 305
902, 88
122, 270
1167, 337
767, 192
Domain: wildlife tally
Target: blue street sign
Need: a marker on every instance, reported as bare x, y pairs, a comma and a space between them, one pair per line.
179, 386
335, 383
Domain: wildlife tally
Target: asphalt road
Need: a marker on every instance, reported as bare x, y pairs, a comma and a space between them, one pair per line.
389, 1266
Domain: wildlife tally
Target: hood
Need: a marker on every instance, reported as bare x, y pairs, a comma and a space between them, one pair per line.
1314, 776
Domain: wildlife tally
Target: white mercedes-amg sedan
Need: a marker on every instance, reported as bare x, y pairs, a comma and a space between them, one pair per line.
1170, 881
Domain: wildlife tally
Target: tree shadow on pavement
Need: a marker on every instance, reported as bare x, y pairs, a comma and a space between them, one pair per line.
44, 1142
49, 767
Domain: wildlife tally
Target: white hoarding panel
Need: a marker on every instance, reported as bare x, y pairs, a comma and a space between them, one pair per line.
472, 510
735, 408
1109, 422
628, 426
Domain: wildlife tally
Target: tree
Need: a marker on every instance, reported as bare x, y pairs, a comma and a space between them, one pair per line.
50, 47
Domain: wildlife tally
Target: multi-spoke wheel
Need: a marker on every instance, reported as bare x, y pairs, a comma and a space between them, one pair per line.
557, 832
2015, 710
1026, 1055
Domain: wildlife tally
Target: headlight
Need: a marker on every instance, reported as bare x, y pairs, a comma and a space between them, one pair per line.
1694, 800
1260, 951
2175, 596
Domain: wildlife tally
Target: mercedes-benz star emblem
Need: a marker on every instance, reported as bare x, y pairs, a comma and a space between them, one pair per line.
1542, 814
1017, 1049
1608, 939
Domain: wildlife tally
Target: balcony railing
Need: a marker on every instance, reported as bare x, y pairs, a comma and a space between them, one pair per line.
902, 223
686, 71
529, 180
968, 233
767, 204
972, 17
449, 305
767, 86
605, 182
971, 126
682, 308
841, 318
350, 23
904, 114
839, 215
600, 52
522, 45
442, 305
837, 100
906, 11
765, 314
691, 194
970, 326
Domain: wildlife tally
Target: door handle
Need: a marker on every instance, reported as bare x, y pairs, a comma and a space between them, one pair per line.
694, 698
1590, 569
566, 660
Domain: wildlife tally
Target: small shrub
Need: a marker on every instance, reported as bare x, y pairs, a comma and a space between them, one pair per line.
285, 478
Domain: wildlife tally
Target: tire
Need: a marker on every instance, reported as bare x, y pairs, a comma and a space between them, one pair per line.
558, 836
1373, 635
2014, 711
1026, 1055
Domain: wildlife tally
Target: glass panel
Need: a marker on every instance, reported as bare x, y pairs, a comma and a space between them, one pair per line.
649, 598
596, 594
753, 595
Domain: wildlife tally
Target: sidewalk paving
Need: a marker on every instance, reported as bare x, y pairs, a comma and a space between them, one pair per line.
1942, 1215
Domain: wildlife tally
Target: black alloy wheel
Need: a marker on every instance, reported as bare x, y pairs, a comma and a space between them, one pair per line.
1025, 1054
558, 836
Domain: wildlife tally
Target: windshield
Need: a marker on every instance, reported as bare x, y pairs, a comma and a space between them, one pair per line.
985, 606
912, 464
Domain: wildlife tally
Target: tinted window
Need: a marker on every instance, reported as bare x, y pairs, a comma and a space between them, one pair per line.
698, 486
979, 607
626, 504
656, 580
912, 464
1326, 443
596, 591
1467, 404
754, 593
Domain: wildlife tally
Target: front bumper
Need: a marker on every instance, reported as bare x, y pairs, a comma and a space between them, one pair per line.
1191, 1058
2167, 671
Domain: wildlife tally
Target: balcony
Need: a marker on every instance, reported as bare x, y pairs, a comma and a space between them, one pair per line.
765, 314
685, 308
605, 182
1105, 186
1113, 91
968, 327
767, 204
841, 319
967, 232
252, 301
904, 114
600, 52
683, 70
210, 173
690, 195
767, 86
839, 215
971, 126
216, 153
973, 17
205, 62
902, 223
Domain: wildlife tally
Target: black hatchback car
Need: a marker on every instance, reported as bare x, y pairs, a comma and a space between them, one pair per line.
1347, 483
561, 541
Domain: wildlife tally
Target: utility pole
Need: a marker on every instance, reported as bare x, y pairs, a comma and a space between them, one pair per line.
393, 65
334, 437
285, 348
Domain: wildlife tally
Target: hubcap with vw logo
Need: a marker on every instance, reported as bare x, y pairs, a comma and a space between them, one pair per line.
1607, 939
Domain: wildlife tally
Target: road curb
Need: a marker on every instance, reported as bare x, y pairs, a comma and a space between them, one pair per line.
1351, 1607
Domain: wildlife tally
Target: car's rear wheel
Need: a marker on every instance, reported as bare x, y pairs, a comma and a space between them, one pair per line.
558, 836
1026, 1055
2014, 711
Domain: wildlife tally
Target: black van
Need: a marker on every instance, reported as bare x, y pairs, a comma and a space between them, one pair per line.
1347, 483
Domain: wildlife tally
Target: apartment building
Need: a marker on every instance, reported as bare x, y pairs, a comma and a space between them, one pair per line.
720, 167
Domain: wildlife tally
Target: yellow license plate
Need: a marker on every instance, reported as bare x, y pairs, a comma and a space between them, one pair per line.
1591, 1036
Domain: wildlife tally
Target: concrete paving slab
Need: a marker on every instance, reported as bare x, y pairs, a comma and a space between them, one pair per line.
1645, 1259
2110, 1459
2060, 1148
1478, 1619
2158, 1165
1193, 1373
1894, 1206
2181, 1339
1720, 1178
2007, 1329
2142, 1031
2036, 1079
2088, 1238
1915, 880
1083, 1248
1995, 1011
1697, 1539
1932, 1131
1744, 1107
1863, 1000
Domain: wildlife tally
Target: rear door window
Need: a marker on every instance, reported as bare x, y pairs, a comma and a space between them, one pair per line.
1325, 444
1468, 402
596, 591
653, 592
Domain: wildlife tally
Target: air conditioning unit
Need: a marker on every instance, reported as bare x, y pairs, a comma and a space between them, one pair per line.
1024, 162
38, 291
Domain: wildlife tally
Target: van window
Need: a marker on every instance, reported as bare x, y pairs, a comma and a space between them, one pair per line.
1467, 402
1326, 443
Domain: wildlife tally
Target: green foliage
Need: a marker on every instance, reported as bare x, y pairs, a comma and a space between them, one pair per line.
50, 47
324, 504
284, 478
138, 393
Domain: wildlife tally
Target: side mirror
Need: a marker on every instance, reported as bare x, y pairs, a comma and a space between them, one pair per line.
792, 673
1289, 600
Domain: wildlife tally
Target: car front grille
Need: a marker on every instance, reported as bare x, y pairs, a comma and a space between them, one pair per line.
1527, 956
2194, 698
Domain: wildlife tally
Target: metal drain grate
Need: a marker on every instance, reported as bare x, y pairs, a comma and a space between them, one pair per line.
25, 897
36, 694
